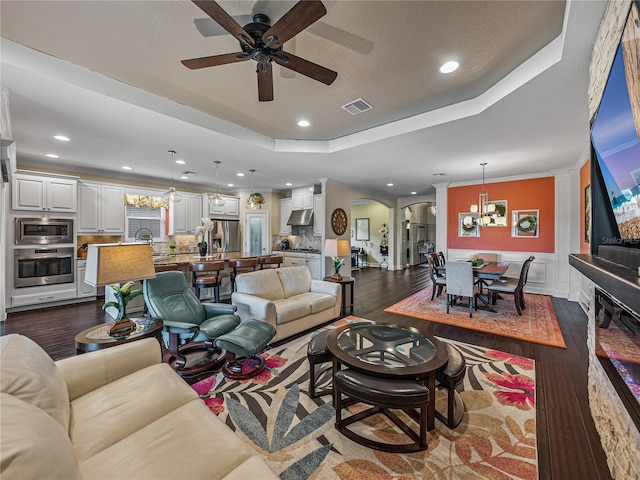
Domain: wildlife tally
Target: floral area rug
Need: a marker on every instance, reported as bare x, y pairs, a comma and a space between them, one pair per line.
538, 322
296, 436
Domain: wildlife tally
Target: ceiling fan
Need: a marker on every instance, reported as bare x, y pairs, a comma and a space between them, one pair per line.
263, 42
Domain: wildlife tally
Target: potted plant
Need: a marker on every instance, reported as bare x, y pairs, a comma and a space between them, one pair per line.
337, 263
202, 231
123, 293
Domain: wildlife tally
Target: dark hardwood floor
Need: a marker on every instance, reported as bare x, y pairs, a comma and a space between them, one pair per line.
568, 444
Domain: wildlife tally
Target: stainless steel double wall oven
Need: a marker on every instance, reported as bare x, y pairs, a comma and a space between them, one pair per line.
44, 252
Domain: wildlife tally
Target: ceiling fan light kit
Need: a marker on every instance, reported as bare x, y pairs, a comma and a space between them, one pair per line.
263, 42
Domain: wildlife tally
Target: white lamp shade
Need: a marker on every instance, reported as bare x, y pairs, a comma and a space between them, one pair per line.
467, 220
474, 208
335, 247
491, 207
118, 262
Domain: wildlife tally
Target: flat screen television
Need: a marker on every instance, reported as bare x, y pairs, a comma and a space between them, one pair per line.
615, 133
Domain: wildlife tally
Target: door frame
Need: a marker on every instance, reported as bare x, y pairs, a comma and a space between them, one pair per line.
266, 231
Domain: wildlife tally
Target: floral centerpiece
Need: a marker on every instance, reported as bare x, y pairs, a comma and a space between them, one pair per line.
202, 231
123, 293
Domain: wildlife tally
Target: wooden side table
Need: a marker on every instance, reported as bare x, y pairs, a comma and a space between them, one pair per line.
344, 281
97, 337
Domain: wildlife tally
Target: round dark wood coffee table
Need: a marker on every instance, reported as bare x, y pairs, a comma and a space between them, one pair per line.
390, 350
97, 337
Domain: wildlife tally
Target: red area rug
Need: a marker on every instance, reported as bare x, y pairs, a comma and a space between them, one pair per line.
538, 323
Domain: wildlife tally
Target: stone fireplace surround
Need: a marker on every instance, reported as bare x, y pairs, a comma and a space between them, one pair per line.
619, 435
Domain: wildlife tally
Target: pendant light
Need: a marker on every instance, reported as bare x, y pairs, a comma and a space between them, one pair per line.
253, 205
487, 210
171, 195
216, 200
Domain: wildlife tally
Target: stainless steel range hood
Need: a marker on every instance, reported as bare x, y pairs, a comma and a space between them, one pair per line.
301, 218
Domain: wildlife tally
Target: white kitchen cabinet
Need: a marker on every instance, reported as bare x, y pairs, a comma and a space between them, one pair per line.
83, 289
44, 295
315, 269
231, 208
318, 215
186, 215
100, 209
309, 260
302, 198
285, 213
41, 193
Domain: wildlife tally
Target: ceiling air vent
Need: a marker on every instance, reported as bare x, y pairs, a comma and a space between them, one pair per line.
357, 106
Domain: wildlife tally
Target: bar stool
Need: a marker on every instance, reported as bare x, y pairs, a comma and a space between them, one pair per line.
270, 261
239, 266
207, 275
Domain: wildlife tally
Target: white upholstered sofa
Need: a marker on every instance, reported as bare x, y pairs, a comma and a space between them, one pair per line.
117, 413
287, 298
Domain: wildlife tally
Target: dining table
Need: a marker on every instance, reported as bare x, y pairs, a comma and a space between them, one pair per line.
484, 273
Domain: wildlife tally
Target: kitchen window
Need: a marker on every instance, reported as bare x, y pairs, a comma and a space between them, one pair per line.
145, 217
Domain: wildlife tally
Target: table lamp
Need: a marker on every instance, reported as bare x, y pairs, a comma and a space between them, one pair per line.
336, 248
119, 265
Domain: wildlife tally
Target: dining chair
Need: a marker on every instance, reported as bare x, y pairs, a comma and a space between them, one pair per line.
441, 259
207, 275
438, 281
515, 289
460, 283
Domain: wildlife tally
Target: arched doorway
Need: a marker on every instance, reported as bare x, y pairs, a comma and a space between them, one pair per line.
419, 232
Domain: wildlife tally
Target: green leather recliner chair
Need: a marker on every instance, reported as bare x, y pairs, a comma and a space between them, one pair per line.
189, 325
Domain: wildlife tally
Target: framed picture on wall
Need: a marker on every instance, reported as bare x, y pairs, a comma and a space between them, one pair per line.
587, 213
498, 215
362, 229
468, 225
525, 223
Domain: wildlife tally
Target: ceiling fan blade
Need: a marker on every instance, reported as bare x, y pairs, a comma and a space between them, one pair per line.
215, 60
305, 67
265, 82
225, 20
301, 15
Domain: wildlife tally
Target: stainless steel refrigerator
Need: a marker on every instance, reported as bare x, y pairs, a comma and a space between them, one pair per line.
224, 237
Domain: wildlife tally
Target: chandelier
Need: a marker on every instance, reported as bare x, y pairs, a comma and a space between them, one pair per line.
486, 209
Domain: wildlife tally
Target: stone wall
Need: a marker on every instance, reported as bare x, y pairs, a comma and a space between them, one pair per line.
618, 434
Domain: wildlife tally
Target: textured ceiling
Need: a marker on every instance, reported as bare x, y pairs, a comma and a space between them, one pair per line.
387, 52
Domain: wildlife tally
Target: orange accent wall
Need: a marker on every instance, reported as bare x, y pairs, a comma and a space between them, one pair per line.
585, 179
536, 193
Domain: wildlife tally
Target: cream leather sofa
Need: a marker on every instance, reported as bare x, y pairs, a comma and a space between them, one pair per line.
117, 413
287, 298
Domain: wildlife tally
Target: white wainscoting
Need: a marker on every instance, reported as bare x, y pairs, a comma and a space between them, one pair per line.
541, 278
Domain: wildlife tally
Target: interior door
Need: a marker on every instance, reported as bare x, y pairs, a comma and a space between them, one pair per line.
256, 234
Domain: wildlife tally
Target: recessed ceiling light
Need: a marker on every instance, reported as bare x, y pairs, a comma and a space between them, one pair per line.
304, 123
414, 193
184, 177
52, 155
180, 162
62, 138
389, 184
239, 174
449, 67
288, 184
230, 185
126, 167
